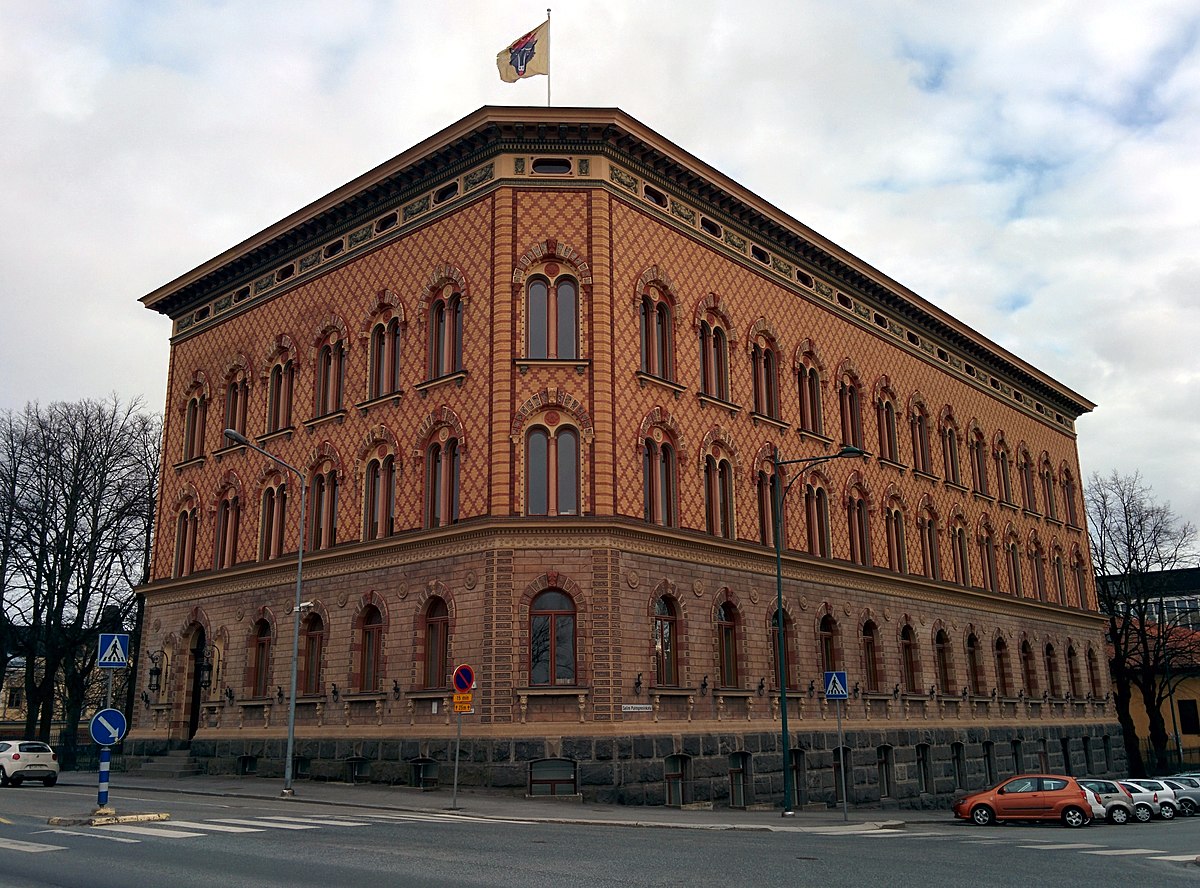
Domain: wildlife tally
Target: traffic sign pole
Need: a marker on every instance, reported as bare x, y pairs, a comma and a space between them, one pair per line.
842, 759
102, 793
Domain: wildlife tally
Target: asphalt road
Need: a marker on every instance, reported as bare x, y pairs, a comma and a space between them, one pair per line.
212, 842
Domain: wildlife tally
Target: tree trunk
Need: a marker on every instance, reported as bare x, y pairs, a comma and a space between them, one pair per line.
1122, 696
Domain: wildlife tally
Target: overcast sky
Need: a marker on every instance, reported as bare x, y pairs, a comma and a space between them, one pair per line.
1033, 168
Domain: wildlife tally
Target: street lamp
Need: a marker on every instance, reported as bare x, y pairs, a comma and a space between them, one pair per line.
780, 492
239, 438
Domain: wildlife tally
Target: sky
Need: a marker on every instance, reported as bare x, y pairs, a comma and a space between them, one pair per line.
1032, 168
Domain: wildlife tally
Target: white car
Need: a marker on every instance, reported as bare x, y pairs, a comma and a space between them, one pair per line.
22, 760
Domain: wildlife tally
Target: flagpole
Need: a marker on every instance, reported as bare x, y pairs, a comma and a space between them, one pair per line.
547, 57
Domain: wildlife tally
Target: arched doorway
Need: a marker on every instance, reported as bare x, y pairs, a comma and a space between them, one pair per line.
195, 688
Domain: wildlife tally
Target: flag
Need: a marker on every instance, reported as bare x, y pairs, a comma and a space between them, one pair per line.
526, 56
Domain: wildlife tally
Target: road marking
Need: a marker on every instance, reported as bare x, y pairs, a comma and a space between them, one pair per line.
157, 831
1065, 846
1124, 852
316, 821
215, 827
264, 823
1177, 857
432, 817
29, 847
92, 835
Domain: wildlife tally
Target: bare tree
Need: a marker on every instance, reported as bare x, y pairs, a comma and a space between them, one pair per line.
1134, 539
77, 491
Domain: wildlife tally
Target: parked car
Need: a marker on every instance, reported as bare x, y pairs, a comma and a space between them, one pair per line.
1149, 803
1028, 797
1093, 798
1188, 796
1193, 782
1117, 802
22, 760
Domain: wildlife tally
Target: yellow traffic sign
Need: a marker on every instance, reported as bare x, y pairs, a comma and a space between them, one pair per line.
463, 707
464, 698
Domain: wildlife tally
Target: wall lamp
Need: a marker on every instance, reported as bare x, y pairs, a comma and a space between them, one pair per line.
812, 689
637, 685
964, 694
146, 699
157, 658
1045, 696
762, 686
1021, 694
932, 692
896, 692
857, 691
228, 694
395, 689
333, 692
206, 667
278, 694
704, 686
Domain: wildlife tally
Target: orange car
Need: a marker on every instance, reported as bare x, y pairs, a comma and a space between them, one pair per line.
1028, 797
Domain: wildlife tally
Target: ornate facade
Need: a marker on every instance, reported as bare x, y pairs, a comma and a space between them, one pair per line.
534, 371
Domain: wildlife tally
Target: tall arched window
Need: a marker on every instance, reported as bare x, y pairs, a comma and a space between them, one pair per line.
910, 671
384, 359
850, 402
885, 418
322, 522
1028, 669
808, 389
1048, 497
870, 656
552, 314
552, 471
931, 558
1052, 679
666, 655
1093, 671
437, 637
1038, 560
1079, 578
1028, 488
897, 547
273, 519
987, 555
1004, 475
193, 427
186, 521
657, 334
1069, 498
552, 639
1072, 671
827, 644
659, 472
370, 653
330, 375
941, 654
442, 483
922, 452
260, 659
379, 498
237, 393
951, 460
727, 644
1012, 551
789, 640
1060, 578
859, 521
314, 644
226, 532
766, 483
816, 511
445, 333
974, 667
1003, 668
962, 564
718, 494
714, 360
280, 384
979, 476
764, 358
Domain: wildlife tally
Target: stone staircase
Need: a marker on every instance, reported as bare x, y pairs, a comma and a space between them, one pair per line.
176, 763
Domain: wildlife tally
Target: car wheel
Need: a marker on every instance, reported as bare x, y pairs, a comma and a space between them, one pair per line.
1167, 812
3, 778
1118, 815
15, 781
1142, 812
1074, 817
982, 815
1187, 807
50, 781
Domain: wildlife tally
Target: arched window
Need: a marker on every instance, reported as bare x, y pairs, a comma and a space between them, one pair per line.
657, 334
1028, 669
314, 643
1060, 578
987, 555
931, 558
1052, 679
552, 471
789, 640
1012, 550
552, 313
280, 385
384, 359
442, 483
910, 670
827, 644
260, 659
897, 548
974, 667
1038, 559
962, 564
714, 361
1069, 498
330, 375
666, 654
1028, 490
186, 521
727, 644
379, 499
979, 477
1072, 671
370, 654
951, 461
816, 510
922, 453
1003, 668
1079, 576
870, 656
1093, 674
193, 427
226, 532
1004, 474
941, 653
850, 402
552, 639
237, 391
445, 333
273, 519
659, 472
766, 483
437, 637
1048, 497
885, 418
808, 389
765, 366
859, 521
718, 495
322, 522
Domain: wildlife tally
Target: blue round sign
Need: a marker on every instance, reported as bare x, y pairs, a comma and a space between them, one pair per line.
108, 726
464, 678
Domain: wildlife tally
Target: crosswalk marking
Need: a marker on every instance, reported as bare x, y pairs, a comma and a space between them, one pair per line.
92, 835
215, 827
316, 821
1123, 852
1065, 846
264, 823
157, 831
29, 847
1177, 858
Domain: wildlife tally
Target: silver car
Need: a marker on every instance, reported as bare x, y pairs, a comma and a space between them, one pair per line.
1150, 799
1118, 804
1188, 796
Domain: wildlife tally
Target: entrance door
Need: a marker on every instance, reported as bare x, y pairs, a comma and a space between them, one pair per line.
194, 689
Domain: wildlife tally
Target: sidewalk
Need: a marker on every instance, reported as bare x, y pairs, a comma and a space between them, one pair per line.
501, 806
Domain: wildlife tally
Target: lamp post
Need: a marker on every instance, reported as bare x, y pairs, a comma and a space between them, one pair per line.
779, 494
239, 438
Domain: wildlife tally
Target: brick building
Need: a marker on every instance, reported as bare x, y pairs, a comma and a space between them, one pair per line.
535, 369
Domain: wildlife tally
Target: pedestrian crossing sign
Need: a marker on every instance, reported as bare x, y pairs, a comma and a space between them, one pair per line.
835, 686
114, 651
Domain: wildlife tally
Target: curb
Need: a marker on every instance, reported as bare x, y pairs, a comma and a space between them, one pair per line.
106, 819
